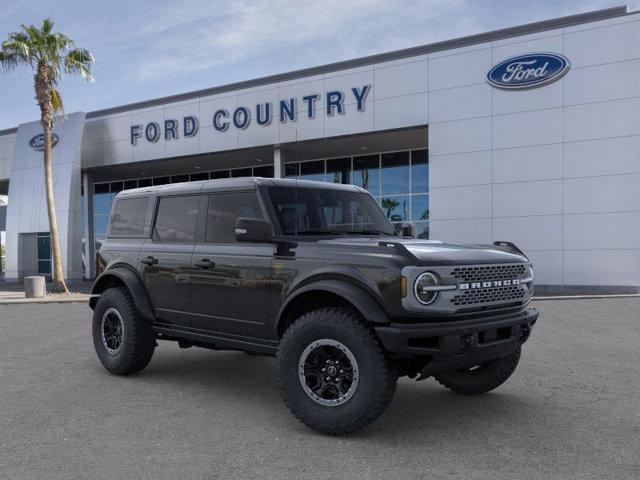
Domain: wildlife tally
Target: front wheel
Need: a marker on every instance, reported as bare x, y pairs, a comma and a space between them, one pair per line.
480, 378
333, 373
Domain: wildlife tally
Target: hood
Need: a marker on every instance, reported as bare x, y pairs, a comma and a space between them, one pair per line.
434, 252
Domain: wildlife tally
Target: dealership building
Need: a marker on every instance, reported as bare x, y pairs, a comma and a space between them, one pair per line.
529, 134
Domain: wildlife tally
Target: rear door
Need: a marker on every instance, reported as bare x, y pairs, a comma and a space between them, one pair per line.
230, 280
166, 257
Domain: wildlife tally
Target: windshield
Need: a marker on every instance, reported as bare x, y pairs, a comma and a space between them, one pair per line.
317, 211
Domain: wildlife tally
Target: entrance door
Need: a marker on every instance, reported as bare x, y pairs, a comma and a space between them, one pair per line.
165, 259
44, 253
230, 281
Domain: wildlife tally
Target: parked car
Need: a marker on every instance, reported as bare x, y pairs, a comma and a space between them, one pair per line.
316, 275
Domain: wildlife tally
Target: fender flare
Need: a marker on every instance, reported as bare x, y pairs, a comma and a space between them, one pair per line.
364, 302
133, 282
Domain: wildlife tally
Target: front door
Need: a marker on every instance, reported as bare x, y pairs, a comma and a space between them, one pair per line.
230, 280
165, 259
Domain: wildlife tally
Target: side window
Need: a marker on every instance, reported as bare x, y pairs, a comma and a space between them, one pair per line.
176, 219
129, 216
224, 209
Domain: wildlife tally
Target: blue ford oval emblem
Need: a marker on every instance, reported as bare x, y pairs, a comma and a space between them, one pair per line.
37, 142
528, 71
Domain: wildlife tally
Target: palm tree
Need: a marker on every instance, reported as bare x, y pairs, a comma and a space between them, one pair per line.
47, 53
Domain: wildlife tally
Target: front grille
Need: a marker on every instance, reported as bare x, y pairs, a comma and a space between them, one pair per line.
489, 272
489, 295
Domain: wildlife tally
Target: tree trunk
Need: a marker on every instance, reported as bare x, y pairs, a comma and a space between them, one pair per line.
59, 285
42, 85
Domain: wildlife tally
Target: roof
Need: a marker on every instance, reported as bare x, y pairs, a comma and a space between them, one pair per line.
501, 34
230, 184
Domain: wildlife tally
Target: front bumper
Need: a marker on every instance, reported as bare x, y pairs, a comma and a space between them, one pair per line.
451, 345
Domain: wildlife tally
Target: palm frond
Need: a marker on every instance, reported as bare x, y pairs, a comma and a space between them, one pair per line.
79, 60
47, 25
56, 101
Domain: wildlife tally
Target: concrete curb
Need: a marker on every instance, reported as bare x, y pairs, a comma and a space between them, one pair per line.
47, 299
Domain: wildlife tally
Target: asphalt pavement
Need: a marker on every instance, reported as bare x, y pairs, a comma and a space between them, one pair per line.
571, 410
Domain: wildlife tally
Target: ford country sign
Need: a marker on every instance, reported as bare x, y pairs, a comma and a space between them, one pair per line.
37, 142
528, 71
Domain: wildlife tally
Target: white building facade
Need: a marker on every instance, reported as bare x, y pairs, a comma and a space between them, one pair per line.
529, 134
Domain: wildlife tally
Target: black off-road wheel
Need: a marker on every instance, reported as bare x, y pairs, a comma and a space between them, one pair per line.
122, 339
333, 373
480, 378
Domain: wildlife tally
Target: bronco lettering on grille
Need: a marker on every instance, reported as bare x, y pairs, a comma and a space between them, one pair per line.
493, 283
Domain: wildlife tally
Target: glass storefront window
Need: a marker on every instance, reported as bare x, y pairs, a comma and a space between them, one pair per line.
100, 224
129, 184
312, 171
219, 174
265, 171
422, 230
195, 177
339, 170
161, 180
101, 198
145, 182
396, 208
179, 178
419, 171
292, 170
241, 172
366, 173
395, 173
419, 207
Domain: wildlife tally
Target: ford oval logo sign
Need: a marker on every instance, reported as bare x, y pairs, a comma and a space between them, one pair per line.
37, 142
528, 71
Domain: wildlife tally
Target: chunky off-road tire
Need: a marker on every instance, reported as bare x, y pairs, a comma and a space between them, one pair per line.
377, 377
137, 340
481, 379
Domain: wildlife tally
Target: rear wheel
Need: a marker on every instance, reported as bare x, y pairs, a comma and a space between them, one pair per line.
123, 340
480, 378
333, 373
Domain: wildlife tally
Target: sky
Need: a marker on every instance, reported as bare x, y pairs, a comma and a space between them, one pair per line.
149, 49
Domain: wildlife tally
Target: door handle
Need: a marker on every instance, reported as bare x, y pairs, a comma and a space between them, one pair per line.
149, 260
205, 264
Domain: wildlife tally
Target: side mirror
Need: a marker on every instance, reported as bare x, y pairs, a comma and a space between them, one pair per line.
253, 230
409, 230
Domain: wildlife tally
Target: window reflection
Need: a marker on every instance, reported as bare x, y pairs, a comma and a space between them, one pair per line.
399, 182
312, 171
395, 173
419, 207
396, 208
366, 173
419, 171
339, 170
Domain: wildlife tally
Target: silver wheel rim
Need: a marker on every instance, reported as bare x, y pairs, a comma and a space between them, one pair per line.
112, 331
328, 372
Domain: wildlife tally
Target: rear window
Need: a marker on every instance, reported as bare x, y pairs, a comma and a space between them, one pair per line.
176, 219
129, 215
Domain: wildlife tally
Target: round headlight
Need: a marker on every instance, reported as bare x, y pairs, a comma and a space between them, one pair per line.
422, 288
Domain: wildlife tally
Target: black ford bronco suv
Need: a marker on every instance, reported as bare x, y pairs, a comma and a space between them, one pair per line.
314, 274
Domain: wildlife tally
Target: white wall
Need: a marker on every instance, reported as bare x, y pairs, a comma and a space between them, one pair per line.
7, 149
26, 206
555, 169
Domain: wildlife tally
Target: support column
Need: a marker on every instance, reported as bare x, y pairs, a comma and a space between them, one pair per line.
278, 163
89, 243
